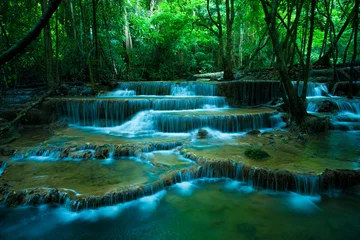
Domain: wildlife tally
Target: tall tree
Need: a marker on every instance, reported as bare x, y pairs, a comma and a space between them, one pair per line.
296, 104
356, 30
227, 61
309, 49
48, 48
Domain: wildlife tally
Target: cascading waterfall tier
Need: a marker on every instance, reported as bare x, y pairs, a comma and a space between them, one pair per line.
259, 178
113, 112
224, 122
170, 88
227, 120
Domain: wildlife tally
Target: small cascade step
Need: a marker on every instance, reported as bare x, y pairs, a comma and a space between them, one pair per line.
231, 121
313, 89
344, 114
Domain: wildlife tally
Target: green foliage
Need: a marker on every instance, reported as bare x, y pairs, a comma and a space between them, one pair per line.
175, 41
256, 154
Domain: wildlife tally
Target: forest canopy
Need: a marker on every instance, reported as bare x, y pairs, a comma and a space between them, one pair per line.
100, 40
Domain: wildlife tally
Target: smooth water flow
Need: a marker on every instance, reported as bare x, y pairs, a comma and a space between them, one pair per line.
145, 108
201, 209
313, 89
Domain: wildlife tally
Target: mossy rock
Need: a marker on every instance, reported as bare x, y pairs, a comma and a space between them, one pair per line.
256, 154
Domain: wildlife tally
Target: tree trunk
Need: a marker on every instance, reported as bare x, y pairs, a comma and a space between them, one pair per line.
127, 42
356, 30
309, 48
151, 8
230, 15
324, 59
57, 77
94, 62
32, 34
48, 48
296, 104
347, 46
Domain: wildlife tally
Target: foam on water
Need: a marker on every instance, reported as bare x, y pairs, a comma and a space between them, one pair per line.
2, 168
312, 107
215, 135
185, 188
303, 203
177, 90
142, 123
242, 187
120, 93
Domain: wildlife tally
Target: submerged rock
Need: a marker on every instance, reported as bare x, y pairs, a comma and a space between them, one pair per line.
315, 124
254, 132
202, 133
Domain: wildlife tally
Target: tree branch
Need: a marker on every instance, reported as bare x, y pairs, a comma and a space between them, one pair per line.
32, 34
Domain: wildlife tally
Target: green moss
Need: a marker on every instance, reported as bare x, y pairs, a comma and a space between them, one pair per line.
257, 154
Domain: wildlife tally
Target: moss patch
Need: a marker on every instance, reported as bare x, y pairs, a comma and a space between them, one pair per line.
257, 154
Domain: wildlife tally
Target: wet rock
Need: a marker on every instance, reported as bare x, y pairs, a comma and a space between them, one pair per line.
16, 198
202, 133
74, 91
87, 91
53, 196
101, 152
254, 132
65, 153
62, 90
58, 125
9, 135
339, 179
113, 84
6, 151
275, 101
191, 78
87, 155
327, 106
313, 124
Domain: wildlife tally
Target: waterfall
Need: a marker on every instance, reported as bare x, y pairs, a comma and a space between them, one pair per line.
170, 88
179, 122
312, 107
313, 89
120, 93
353, 107
109, 113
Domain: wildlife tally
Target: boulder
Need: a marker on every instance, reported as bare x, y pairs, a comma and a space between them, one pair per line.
101, 152
327, 106
87, 91
202, 133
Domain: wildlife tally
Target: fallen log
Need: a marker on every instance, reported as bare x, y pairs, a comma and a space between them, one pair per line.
23, 112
